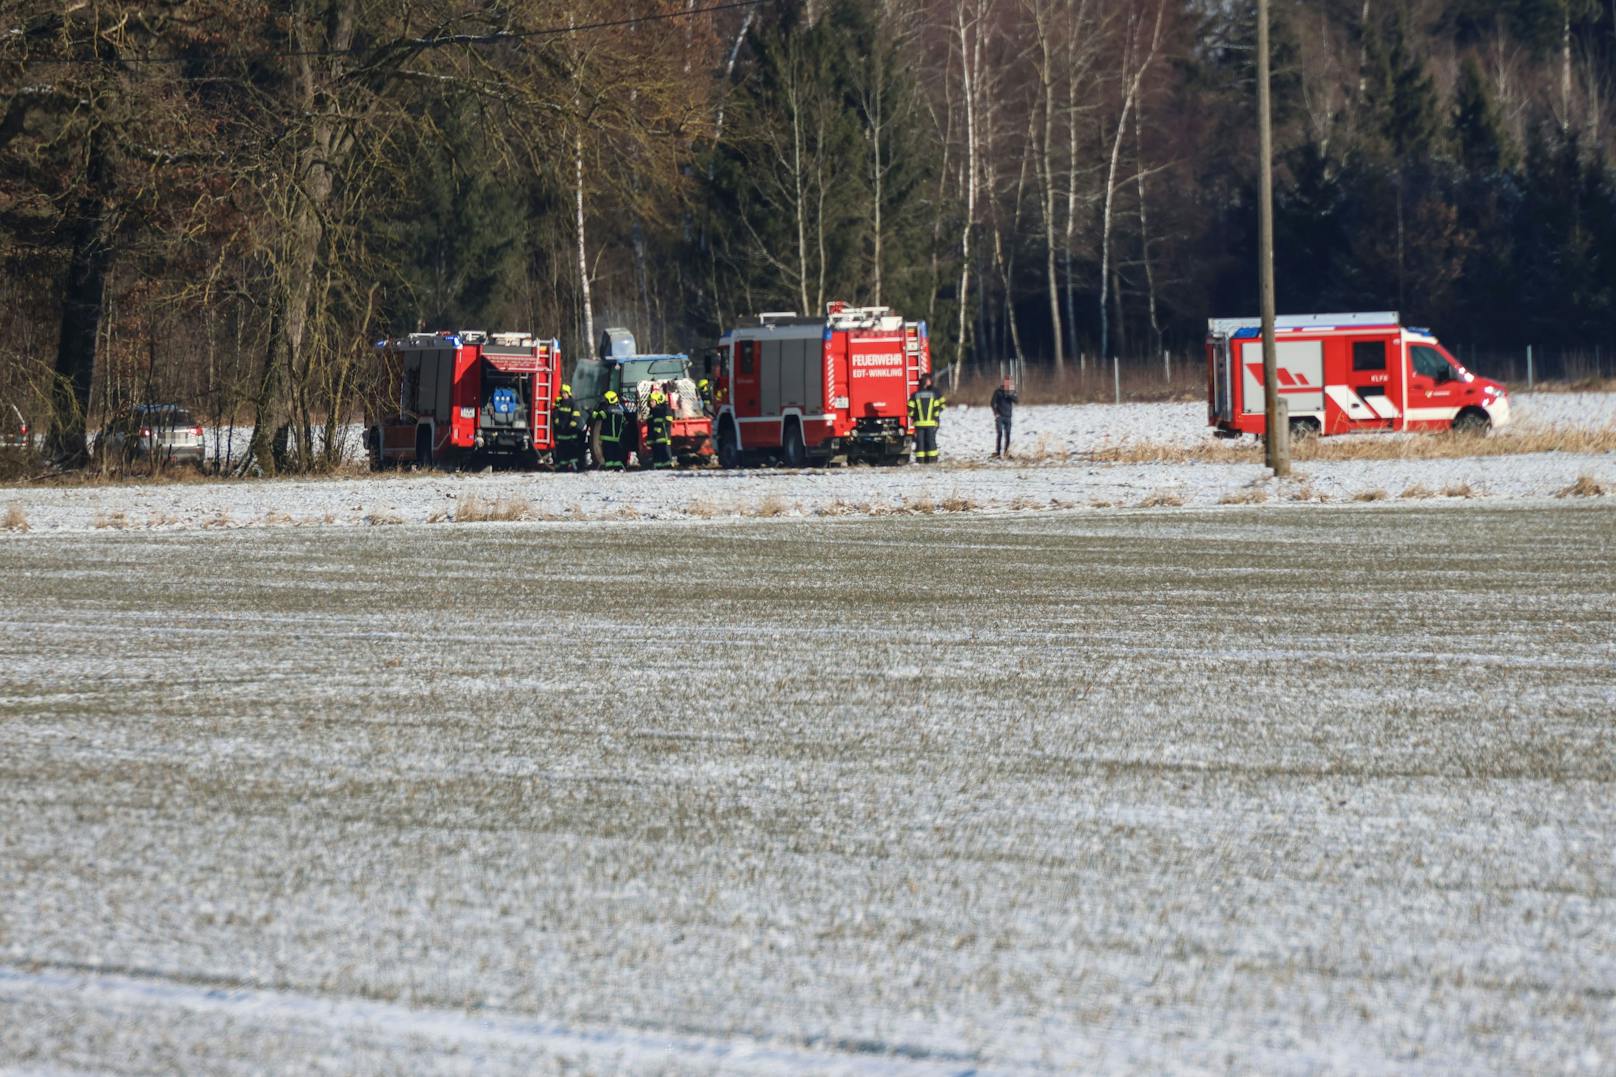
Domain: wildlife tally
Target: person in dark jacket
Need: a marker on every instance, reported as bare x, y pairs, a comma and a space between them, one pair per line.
571, 434
925, 415
1004, 403
615, 428
659, 430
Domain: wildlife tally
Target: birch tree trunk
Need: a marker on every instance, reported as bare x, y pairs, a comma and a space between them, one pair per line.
584, 298
970, 37
800, 200
1565, 64
1046, 171
1144, 223
1132, 81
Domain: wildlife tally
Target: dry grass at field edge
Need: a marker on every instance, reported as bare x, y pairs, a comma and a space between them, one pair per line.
1436, 446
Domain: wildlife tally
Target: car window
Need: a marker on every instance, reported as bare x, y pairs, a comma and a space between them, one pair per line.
1369, 355
1428, 362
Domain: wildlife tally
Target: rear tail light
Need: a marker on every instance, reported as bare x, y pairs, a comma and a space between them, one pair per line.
24, 430
145, 431
199, 430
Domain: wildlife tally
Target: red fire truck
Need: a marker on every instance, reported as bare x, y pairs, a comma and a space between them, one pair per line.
807, 390
1340, 373
466, 395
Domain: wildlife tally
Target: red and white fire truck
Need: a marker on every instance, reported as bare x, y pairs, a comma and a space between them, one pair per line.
807, 390
466, 395
1340, 373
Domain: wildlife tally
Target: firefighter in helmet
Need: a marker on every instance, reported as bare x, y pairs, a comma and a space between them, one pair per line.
615, 428
659, 430
570, 432
925, 415
704, 389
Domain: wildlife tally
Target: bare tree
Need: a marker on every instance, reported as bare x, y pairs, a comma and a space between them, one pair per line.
970, 32
1137, 56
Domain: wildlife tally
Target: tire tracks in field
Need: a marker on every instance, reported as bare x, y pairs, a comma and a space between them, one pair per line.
137, 989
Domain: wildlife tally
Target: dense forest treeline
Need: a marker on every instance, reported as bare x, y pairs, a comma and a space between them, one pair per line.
226, 201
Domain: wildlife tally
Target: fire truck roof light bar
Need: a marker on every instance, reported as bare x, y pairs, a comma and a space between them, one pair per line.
1228, 327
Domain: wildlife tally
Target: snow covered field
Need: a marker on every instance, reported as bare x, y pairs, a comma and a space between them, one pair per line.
1064, 476
917, 794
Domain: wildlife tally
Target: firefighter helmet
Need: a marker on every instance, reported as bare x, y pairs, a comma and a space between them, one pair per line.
611, 396
566, 390
704, 384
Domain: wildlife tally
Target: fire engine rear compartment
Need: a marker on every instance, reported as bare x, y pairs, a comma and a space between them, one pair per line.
466, 398
810, 390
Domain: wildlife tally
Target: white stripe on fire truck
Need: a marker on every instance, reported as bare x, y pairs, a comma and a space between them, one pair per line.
1423, 415
1347, 400
1383, 407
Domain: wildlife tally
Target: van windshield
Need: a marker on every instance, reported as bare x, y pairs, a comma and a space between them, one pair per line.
1430, 363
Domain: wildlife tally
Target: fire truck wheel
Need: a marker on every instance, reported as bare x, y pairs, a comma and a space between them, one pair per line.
729, 453
1471, 421
793, 453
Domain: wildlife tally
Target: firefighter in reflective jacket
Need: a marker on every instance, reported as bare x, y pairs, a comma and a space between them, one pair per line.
704, 389
925, 413
570, 432
659, 430
614, 426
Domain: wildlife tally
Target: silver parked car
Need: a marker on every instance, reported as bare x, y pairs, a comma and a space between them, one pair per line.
164, 432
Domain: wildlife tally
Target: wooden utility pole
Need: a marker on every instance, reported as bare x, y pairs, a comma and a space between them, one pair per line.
1278, 441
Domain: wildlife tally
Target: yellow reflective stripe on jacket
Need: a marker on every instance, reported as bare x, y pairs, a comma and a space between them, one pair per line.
926, 410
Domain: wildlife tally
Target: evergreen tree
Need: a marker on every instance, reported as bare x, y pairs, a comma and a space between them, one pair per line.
1401, 93
460, 244
1484, 145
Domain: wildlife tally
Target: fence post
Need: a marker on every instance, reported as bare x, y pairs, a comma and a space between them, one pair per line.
1531, 375
1116, 376
1167, 365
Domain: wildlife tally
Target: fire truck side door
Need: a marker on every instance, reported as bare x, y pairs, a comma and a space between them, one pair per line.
1433, 389
1360, 386
748, 361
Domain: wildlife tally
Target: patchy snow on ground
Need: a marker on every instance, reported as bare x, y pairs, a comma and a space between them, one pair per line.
1081, 429
1056, 471
1322, 790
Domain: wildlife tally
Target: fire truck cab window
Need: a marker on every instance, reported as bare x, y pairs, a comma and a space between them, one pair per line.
746, 350
1369, 355
1429, 363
